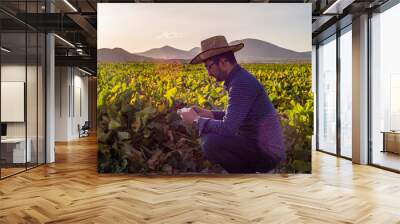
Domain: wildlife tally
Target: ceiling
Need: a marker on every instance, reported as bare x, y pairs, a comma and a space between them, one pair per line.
332, 15
74, 22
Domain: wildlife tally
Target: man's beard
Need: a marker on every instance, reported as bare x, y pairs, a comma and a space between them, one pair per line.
219, 77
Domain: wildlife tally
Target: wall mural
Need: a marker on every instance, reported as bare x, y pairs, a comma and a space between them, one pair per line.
204, 88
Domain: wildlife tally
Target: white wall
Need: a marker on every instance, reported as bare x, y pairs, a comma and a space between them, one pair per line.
70, 83
62, 81
81, 94
12, 73
33, 127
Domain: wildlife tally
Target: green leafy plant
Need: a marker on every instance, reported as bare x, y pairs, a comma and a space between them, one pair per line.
140, 132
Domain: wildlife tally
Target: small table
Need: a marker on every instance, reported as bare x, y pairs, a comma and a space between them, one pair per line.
391, 141
16, 147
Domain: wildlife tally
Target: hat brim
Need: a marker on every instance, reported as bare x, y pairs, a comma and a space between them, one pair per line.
203, 56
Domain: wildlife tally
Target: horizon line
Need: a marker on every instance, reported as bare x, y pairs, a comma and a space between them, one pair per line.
199, 47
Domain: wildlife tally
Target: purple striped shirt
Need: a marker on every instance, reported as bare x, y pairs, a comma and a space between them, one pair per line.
250, 113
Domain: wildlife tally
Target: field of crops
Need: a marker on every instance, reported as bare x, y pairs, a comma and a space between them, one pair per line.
140, 132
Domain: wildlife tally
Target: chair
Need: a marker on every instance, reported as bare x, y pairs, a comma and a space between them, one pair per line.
84, 130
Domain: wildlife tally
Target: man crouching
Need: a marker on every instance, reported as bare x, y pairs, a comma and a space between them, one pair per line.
247, 137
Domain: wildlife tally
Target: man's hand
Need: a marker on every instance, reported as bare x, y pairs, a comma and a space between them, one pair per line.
188, 115
203, 112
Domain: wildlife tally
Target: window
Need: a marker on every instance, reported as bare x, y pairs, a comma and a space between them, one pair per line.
327, 95
385, 88
346, 92
23, 82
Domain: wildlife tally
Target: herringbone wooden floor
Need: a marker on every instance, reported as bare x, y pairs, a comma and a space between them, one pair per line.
71, 191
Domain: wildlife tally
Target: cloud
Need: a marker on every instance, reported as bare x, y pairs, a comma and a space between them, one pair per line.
170, 35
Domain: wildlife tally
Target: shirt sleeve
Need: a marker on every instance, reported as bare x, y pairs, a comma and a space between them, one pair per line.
241, 97
218, 114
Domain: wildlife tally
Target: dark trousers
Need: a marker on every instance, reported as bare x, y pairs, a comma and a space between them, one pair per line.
236, 154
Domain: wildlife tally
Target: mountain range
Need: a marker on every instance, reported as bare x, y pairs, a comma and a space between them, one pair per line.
254, 51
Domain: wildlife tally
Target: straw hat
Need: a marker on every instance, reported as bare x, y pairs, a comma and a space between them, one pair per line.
214, 46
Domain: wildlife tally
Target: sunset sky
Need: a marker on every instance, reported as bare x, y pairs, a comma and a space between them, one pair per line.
138, 27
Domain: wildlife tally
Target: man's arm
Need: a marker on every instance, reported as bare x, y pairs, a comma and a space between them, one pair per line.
213, 114
218, 114
203, 112
241, 98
